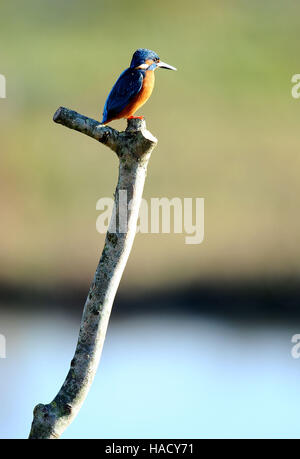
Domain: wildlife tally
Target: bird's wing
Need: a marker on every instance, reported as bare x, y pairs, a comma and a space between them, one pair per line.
127, 86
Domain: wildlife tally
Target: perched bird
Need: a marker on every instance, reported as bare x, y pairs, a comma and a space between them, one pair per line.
133, 87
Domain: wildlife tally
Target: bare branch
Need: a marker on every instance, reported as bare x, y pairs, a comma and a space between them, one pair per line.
134, 147
88, 126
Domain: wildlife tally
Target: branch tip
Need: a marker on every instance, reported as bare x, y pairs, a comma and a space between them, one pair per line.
57, 114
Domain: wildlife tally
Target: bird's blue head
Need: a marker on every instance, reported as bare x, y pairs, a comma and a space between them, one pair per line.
148, 60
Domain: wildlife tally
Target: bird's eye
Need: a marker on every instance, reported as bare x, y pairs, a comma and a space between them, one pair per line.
156, 59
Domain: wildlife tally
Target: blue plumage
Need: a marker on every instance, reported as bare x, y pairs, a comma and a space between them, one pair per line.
127, 86
141, 55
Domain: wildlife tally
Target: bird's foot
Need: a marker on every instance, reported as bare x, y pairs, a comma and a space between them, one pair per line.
135, 117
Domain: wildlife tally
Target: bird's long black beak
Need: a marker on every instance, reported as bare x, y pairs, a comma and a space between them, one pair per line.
163, 65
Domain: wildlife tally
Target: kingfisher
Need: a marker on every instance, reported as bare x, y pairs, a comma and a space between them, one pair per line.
133, 87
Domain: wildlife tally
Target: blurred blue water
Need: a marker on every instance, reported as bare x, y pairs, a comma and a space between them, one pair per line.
159, 377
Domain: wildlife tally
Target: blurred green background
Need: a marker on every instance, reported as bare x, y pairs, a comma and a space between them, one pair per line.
226, 123
211, 357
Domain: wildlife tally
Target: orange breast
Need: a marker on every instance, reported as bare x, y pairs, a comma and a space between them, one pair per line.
141, 97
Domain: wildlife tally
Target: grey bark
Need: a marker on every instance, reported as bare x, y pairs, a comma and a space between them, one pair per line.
133, 148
